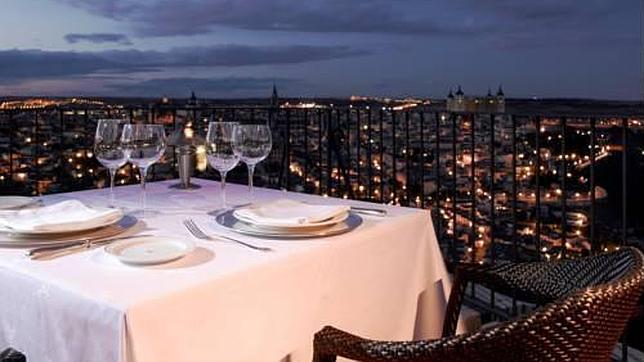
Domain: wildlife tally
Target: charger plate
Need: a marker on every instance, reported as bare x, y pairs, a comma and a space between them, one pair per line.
228, 221
8, 240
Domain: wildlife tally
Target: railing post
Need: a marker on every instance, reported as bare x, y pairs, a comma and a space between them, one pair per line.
306, 149
174, 148
36, 142
87, 134
329, 155
394, 155
437, 171
288, 149
369, 155
347, 143
61, 141
12, 132
515, 246
492, 189
283, 169
564, 189
593, 140
422, 159
320, 155
453, 193
407, 160
538, 186
382, 157
358, 141
152, 114
624, 180
473, 234
624, 210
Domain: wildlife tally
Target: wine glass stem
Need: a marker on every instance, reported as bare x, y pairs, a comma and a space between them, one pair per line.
223, 190
112, 176
144, 173
251, 171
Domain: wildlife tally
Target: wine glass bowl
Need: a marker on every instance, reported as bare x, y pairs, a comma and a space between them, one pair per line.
145, 144
219, 151
108, 148
252, 143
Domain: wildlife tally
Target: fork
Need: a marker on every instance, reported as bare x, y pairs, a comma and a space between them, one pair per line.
199, 234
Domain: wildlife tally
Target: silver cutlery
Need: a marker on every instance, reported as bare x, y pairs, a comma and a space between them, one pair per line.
199, 234
369, 211
49, 252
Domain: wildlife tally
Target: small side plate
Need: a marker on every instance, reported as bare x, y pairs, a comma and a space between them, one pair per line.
149, 250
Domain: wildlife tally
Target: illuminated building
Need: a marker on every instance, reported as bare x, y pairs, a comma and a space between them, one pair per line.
459, 102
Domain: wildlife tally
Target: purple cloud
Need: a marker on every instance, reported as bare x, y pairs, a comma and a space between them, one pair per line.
402, 17
98, 38
16, 65
169, 17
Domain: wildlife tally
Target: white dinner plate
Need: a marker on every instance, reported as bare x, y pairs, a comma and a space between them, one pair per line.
15, 202
65, 228
29, 241
322, 224
228, 221
149, 250
291, 214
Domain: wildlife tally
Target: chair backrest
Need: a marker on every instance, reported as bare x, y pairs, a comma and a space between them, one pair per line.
538, 282
584, 326
545, 282
11, 355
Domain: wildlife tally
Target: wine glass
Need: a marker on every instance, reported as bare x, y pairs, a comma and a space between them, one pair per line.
219, 151
252, 143
144, 144
108, 148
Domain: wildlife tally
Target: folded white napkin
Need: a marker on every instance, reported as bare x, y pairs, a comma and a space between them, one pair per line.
65, 216
287, 213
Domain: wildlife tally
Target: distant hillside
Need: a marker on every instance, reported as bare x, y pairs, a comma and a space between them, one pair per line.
573, 106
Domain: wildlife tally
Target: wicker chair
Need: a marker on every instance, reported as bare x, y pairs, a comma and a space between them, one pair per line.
11, 355
590, 302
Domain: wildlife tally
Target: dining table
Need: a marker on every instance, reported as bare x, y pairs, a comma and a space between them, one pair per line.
385, 280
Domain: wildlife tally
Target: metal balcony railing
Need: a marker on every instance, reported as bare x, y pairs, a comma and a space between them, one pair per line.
500, 186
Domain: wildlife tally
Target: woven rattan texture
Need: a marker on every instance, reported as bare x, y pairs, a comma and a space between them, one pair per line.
589, 303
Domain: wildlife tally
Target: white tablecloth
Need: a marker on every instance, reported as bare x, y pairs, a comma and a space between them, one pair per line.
224, 302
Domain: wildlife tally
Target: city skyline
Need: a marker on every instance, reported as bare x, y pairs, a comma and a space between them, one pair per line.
322, 48
457, 164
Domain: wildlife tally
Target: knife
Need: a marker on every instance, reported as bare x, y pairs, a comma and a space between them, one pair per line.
50, 252
369, 211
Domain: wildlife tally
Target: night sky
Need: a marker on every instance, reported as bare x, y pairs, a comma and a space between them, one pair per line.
324, 48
